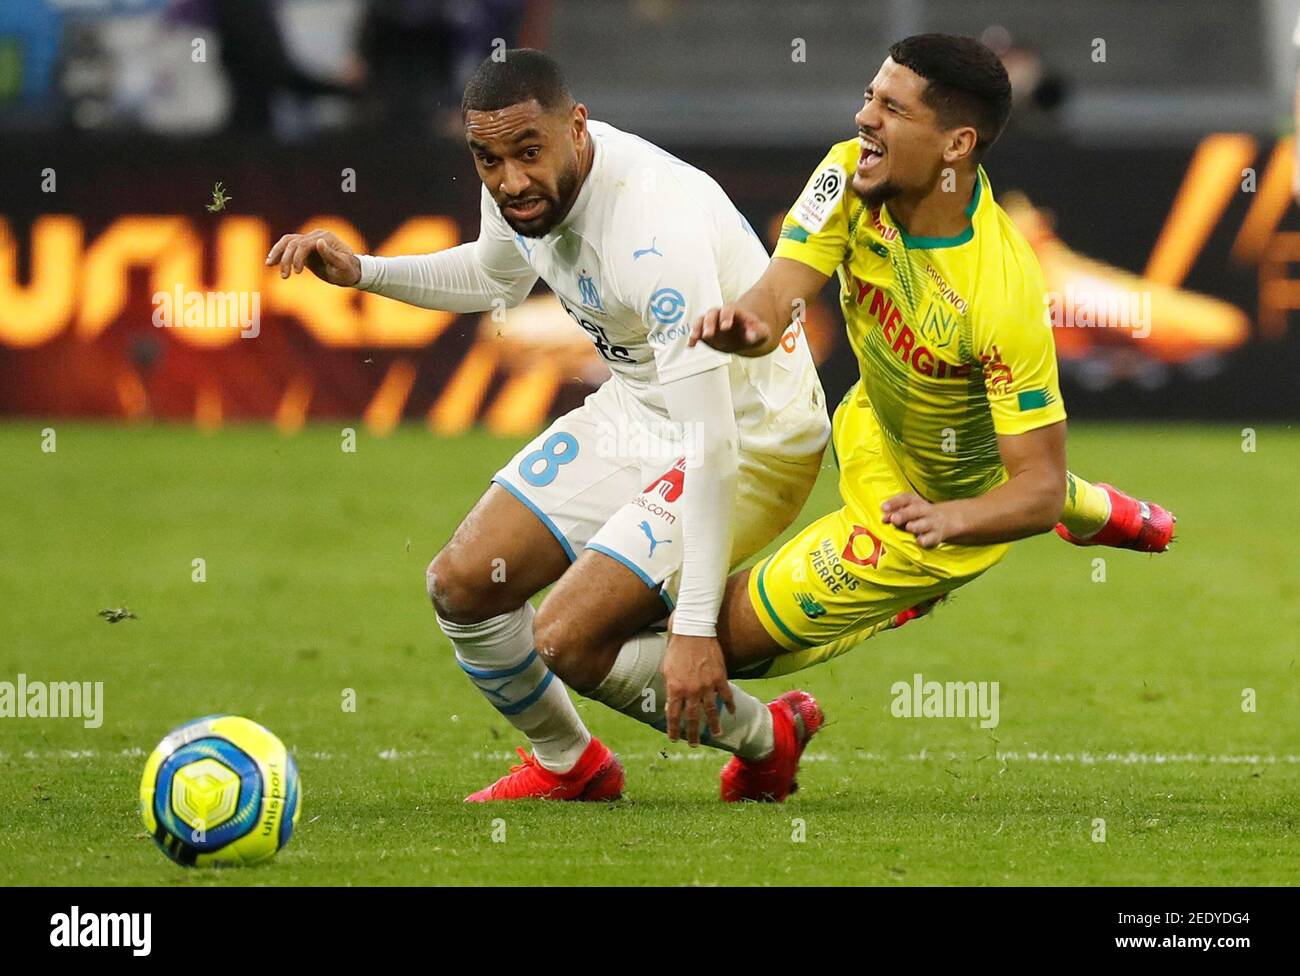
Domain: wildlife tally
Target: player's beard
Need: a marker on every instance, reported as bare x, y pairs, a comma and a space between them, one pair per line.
877, 196
558, 205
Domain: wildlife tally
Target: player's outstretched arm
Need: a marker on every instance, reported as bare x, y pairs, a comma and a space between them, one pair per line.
753, 324
477, 276
322, 253
1027, 503
473, 277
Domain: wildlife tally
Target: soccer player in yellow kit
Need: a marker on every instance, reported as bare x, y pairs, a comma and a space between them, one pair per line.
952, 443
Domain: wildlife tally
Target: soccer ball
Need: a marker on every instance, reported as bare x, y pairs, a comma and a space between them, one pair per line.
220, 790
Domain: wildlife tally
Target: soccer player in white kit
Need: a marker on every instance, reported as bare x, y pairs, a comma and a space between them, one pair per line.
635, 244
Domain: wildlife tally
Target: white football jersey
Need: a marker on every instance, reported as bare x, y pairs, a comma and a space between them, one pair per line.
650, 244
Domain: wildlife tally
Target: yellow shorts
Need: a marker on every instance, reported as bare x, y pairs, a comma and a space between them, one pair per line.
849, 575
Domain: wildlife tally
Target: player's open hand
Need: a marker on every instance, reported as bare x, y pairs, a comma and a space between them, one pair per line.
323, 253
695, 678
931, 523
731, 328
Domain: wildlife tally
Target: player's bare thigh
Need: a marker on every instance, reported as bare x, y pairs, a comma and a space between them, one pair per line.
595, 608
500, 555
745, 641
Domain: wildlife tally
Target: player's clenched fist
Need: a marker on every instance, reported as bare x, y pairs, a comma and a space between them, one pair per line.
323, 253
731, 328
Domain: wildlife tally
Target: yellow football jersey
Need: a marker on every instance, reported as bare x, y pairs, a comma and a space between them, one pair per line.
952, 335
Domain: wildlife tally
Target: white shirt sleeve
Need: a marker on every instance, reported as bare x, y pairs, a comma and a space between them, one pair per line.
669, 290
701, 403
471, 277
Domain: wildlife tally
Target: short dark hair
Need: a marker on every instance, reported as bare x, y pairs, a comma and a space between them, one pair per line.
967, 84
520, 75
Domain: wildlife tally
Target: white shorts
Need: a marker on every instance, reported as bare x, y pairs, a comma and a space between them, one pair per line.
609, 476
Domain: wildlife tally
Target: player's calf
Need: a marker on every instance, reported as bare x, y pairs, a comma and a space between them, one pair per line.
593, 610
594, 629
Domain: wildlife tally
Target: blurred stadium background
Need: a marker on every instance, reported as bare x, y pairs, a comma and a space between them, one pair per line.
1149, 160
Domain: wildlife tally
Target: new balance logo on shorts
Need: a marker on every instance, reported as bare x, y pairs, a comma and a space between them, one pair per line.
811, 608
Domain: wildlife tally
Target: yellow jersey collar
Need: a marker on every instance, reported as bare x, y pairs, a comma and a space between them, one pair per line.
929, 243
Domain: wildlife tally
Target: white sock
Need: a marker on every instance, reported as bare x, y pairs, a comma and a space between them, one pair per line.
635, 687
499, 657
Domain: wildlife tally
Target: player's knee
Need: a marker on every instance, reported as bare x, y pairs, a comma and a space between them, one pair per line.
552, 640
565, 648
438, 585
455, 594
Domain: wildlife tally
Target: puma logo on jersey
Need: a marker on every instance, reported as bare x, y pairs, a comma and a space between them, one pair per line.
645, 527
648, 250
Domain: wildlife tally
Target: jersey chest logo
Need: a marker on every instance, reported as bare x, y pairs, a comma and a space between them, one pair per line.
588, 293
608, 351
939, 326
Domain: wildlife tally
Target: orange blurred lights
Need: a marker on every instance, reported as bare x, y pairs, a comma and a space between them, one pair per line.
86, 285
130, 393
291, 413
1212, 178
386, 406
207, 407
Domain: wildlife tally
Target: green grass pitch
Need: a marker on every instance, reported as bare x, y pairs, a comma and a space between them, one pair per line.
1121, 701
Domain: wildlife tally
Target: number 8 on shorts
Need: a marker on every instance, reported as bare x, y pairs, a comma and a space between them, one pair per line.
549, 458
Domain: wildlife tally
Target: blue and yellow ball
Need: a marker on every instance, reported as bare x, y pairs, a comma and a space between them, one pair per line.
220, 790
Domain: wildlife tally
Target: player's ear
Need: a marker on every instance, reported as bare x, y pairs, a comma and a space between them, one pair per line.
961, 144
578, 123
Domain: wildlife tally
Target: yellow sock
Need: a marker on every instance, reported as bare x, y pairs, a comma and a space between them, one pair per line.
1087, 507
